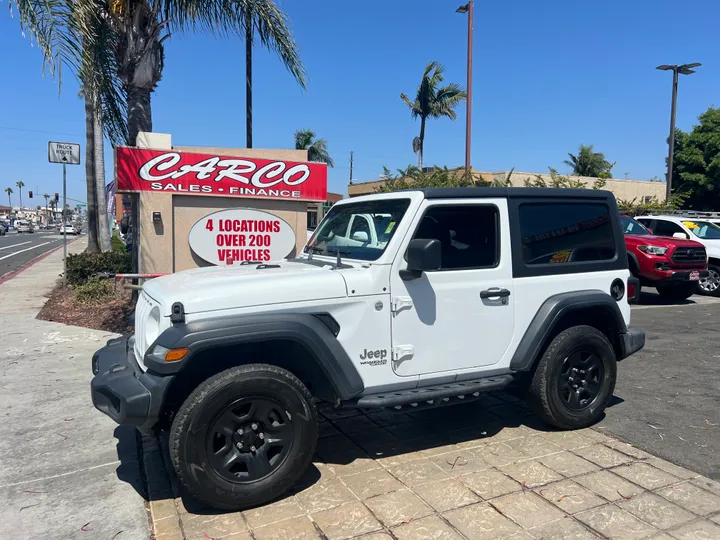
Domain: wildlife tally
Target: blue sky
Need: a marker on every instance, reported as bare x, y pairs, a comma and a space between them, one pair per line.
547, 77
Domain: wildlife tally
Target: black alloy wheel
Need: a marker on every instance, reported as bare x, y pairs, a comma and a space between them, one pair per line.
249, 440
579, 380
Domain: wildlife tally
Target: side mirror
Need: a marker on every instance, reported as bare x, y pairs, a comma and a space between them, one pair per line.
423, 254
361, 236
680, 235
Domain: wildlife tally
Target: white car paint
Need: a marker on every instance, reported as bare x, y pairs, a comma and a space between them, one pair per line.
441, 330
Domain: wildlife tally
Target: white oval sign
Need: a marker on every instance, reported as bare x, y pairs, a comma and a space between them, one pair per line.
230, 237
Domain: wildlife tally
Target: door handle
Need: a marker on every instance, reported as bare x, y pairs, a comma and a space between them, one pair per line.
495, 292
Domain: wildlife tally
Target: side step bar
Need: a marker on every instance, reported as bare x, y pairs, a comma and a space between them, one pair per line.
435, 396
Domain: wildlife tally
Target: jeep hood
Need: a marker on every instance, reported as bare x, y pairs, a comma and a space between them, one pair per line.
215, 288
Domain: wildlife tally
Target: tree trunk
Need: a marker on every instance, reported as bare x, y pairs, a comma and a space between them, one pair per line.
21, 199
92, 209
99, 147
139, 112
422, 143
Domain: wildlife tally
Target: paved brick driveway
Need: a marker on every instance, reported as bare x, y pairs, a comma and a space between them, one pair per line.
427, 475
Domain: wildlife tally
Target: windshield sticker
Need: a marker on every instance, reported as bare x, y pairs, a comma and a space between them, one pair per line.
560, 257
691, 225
390, 227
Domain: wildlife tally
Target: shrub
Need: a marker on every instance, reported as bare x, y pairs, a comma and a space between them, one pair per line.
94, 291
82, 266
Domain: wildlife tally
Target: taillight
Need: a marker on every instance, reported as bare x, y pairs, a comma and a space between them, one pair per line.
633, 290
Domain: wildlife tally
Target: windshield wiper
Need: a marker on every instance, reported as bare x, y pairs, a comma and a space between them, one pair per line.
338, 252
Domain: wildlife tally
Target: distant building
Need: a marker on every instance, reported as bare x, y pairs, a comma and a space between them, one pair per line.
316, 211
641, 190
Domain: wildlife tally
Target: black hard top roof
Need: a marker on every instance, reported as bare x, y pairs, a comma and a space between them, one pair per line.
514, 192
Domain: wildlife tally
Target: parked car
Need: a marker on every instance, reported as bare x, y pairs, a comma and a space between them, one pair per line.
443, 303
68, 229
700, 230
4, 227
24, 226
672, 265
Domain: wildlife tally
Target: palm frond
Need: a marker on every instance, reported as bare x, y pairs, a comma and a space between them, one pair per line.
229, 17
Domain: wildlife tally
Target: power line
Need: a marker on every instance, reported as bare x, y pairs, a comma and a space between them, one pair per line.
8, 128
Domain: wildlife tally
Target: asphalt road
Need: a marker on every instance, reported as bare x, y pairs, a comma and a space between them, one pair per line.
667, 398
17, 249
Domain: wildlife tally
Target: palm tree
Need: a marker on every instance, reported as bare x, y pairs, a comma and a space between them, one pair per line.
316, 148
116, 49
433, 101
20, 184
47, 214
587, 162
9, 191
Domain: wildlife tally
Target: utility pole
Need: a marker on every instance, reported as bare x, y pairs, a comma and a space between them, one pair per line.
468, 8
684, 69
248, 77
352, 155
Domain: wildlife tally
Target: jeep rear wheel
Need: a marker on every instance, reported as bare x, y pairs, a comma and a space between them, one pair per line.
681, 291
574, 379
244, 436
711, 284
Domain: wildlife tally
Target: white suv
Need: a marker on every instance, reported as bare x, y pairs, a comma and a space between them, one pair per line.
433, 298
701, 230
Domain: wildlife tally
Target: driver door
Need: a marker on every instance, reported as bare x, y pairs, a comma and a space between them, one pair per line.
460, 316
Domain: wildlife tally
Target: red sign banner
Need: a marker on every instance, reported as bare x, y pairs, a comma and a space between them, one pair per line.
187, 173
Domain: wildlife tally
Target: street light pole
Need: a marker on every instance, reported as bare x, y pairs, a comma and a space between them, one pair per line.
684, 69
469, 9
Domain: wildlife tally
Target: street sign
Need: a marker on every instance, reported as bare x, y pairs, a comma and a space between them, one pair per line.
65, 153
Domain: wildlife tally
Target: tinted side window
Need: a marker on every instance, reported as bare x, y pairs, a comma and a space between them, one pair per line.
557, 233
666, 228
468, 235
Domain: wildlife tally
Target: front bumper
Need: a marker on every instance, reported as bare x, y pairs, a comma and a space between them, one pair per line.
674, 276
122, 390
631, 342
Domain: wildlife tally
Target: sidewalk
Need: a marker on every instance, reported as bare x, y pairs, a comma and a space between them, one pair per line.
66, 470
434, 475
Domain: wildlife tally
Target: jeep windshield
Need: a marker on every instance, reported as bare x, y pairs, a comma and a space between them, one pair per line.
630, 226
703, 229
358, 230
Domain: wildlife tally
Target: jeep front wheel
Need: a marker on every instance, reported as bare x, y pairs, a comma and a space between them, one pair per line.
244, 436
574, 379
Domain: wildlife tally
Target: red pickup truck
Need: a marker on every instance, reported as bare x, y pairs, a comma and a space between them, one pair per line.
672, 265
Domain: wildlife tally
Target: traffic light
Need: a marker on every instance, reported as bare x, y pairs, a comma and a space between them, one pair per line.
31, 194
57, 197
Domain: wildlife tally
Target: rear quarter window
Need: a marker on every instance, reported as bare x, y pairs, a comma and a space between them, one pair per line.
557, 237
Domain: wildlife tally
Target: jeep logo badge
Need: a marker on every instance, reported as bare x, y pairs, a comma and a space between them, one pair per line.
374, 358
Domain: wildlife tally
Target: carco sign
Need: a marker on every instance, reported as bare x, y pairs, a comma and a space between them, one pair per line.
232, 236
188, 173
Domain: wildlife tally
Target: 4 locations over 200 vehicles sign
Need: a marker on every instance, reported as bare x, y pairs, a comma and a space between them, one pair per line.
205, 174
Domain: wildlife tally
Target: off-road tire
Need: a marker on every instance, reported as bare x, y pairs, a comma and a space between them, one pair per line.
716, 292
544, 395
192, 424
678, 292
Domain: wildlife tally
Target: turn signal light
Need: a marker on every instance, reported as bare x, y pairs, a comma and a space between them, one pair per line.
173, 355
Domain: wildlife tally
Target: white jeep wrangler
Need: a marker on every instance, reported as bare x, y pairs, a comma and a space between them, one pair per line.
450, 293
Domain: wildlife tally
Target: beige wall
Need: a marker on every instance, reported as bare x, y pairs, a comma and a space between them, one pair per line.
622, 189
164, 246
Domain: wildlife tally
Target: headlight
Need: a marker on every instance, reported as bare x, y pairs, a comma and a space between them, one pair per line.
653, 250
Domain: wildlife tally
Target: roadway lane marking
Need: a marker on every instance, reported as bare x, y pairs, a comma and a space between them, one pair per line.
13, 245
24, 250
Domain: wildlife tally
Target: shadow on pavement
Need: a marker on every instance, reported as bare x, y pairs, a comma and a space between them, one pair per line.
129, 451
654, 299
350, 435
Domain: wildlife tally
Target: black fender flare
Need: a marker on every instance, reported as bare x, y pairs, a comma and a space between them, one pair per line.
634, 259
304, 328
548, 317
